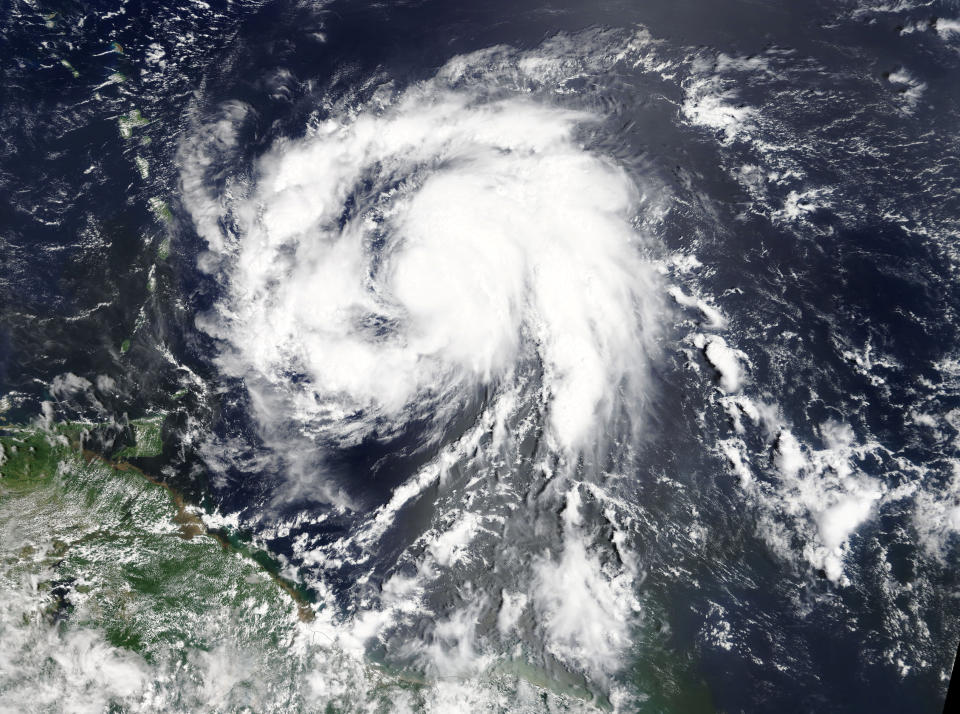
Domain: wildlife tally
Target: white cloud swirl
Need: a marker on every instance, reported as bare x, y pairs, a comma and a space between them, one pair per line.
405, 254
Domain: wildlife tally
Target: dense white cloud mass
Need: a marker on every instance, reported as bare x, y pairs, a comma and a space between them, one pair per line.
398, 257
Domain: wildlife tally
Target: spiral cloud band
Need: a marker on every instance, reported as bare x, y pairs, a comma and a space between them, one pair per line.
405, 254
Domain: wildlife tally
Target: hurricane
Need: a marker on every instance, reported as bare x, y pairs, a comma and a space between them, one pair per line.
392, 264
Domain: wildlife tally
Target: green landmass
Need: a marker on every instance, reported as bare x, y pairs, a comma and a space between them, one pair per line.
163, 250
131, 121
70, 68
142, 166
160, 209
147, 440
95, 549
146, 561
